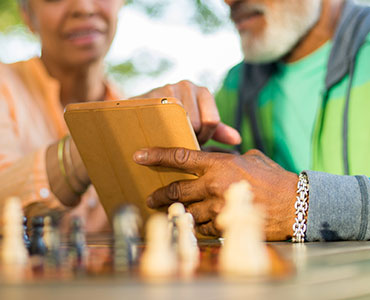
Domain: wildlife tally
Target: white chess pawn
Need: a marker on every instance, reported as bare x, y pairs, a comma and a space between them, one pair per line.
188, 251
14, 255
191, 224
50, 238
244, 252
13, 251
159, 259
175, 210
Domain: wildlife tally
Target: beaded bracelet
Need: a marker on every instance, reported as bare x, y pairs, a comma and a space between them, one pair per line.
301, 207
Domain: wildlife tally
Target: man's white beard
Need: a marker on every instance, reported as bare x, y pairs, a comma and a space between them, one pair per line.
286, 24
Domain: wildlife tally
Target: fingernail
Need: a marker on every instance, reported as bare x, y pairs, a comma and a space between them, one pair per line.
149, 201
237, 138
141, 156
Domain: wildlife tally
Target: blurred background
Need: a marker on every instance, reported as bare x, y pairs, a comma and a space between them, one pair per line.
157, 42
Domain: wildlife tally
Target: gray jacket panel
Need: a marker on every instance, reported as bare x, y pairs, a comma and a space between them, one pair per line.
338, 207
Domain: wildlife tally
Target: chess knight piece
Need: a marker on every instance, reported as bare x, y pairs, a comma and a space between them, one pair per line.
52, 242
26, 238
77, 244
126, 225
37, 246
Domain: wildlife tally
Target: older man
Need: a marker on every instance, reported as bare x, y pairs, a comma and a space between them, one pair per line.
300, 96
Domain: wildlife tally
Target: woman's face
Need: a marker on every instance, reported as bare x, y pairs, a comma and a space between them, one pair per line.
73, 32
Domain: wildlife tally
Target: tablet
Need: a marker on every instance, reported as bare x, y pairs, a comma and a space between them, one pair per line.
108, 133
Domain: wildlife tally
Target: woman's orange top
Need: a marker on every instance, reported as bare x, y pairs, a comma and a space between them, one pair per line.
31, 118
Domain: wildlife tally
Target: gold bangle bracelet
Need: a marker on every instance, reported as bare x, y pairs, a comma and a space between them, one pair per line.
62, 168
69, 161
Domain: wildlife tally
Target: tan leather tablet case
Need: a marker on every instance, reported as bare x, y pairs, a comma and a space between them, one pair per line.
108, 133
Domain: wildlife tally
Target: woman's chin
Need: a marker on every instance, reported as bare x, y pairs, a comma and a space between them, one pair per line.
85, 58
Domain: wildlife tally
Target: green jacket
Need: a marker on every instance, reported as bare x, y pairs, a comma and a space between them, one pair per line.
341, 139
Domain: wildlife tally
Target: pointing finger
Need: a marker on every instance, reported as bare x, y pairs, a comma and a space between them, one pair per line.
186, 92
227, 135
190, 161
208, 113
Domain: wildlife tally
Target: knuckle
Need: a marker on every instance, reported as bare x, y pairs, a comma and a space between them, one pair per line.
234, 160
213, 187
185, 84
187, 189
210, 121
173, 191
253, 152
181, 155
204, 92
229, 160
158, 156
168, 90
216, 207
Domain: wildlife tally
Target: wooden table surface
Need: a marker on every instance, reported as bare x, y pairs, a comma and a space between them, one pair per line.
337, 270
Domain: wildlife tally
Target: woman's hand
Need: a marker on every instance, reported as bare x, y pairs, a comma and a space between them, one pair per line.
202, 110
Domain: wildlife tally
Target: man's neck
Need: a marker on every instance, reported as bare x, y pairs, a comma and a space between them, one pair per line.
78, 84
322, 32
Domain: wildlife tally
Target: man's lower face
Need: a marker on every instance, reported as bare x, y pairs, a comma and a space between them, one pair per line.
270, 29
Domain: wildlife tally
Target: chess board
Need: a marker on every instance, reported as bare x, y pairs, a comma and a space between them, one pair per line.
99, 263
309, 271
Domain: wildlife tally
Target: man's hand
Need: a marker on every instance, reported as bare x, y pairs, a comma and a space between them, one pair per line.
202, 110
273, 187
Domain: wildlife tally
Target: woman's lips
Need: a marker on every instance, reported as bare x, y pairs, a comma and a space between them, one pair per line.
84, 37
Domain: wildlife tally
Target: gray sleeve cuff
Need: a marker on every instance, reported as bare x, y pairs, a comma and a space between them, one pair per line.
338, 207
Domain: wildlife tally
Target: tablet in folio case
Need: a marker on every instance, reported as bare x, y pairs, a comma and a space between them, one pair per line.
107, 134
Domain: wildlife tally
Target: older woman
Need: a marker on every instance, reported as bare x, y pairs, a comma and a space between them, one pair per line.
75, 36
38, 160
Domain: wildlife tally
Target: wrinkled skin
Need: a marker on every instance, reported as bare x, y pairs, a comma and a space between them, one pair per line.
274, 188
